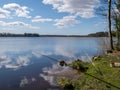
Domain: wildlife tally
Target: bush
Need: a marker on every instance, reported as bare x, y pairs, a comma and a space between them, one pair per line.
65, 83
79, 65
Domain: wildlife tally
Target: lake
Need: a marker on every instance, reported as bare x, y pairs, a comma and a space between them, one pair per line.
26, 62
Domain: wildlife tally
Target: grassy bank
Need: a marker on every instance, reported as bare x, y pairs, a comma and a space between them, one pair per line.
96, 75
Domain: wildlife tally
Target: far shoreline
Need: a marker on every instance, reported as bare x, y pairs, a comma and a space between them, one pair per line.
53, 36
97, 34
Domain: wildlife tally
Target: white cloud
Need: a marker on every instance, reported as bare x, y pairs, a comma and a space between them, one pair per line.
20, 11
4, 13
100, 23
17, 23
41, 20
82, 8
60, 23
66, 21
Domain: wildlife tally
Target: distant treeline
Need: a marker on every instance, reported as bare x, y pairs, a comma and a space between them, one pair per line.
36, 35
97, 34
19, 35
101, 34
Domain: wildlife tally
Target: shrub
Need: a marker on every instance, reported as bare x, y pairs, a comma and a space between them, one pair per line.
79, 65
65, 83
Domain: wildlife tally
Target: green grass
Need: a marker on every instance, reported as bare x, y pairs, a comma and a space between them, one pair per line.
110, 74
101, 70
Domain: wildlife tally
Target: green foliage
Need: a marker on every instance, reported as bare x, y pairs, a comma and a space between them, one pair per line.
102, 34
65, 83
79, 65
86, 82
118, 5
99, 34
110, 74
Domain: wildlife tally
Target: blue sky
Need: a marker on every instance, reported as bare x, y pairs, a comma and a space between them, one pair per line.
61, 17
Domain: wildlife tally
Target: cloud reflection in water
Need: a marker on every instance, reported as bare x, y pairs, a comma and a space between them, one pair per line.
30, 46
26, 55
26, 81
39, 54
7, 62
52, 74
4, 60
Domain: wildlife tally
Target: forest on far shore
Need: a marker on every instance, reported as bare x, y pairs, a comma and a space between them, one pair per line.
97, 34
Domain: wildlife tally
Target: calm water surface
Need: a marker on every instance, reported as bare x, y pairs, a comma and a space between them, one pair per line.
24, 65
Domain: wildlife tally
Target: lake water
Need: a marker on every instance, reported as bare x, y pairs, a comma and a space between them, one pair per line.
25, 62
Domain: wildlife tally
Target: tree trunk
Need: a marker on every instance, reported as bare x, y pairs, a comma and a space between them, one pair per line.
109, 25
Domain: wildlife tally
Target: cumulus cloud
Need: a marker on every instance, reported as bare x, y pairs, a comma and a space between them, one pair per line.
60, 23
20, 11
66, 21
41, 20
82, 8
4, 13
17, 23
